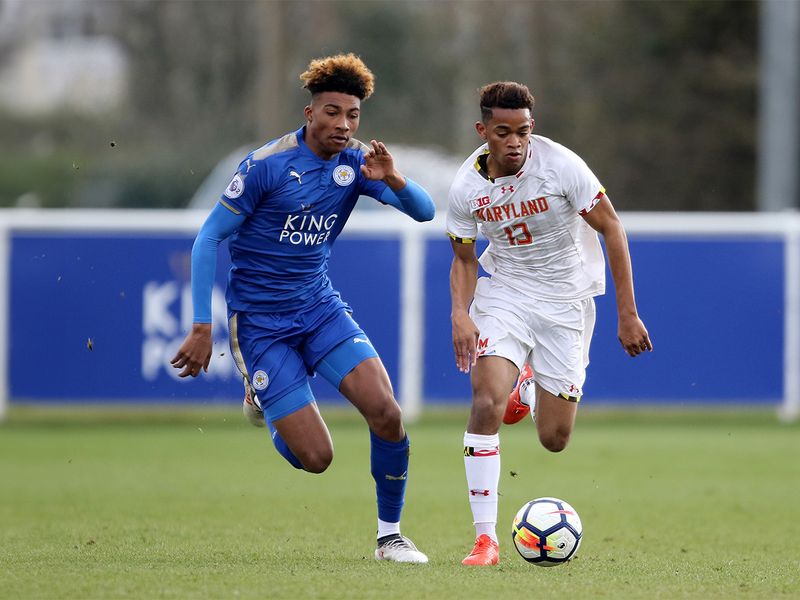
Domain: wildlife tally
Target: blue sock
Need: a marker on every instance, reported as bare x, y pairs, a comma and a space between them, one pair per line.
389, 466
281, 446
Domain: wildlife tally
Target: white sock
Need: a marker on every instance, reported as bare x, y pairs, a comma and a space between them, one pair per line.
482, 465
527, 393
385, 528
489, 529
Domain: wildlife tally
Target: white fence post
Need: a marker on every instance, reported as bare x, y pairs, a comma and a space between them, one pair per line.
790, 409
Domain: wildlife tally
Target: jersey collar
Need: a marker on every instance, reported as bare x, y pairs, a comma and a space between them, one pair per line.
308, 152
482, 167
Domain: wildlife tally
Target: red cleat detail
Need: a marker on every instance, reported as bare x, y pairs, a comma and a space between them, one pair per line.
515, 409
485, 552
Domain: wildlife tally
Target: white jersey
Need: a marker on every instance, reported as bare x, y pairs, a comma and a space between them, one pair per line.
539, 244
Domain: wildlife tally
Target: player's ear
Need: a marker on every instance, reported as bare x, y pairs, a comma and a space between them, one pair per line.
308, 112
533, 123
481, 129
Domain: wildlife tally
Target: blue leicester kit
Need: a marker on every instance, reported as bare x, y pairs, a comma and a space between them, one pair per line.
296, 204
283, 210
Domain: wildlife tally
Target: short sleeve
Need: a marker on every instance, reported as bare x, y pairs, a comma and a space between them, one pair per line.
247, 187
461, 225
581, 187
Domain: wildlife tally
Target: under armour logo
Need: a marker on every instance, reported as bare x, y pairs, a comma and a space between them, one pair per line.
402, 477
479, 492
362, 340
503, 189
298, 175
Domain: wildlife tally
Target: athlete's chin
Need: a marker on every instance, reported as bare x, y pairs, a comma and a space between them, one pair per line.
338, 143
513, 163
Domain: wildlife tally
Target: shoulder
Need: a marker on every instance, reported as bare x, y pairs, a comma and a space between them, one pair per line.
553, 154
275, 149
467, 177
356, 146
354, 151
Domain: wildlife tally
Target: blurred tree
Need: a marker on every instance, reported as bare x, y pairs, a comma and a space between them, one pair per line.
658, 97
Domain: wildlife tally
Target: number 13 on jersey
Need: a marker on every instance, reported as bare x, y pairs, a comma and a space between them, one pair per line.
518, 235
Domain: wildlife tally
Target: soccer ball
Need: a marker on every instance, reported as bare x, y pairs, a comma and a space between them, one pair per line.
547, 532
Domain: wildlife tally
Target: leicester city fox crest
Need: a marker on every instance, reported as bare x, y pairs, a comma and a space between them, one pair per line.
344, 175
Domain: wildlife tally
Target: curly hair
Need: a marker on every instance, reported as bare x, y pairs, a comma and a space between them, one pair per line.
504, 94
345, 73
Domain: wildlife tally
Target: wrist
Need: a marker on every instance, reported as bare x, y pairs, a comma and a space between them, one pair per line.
395, 181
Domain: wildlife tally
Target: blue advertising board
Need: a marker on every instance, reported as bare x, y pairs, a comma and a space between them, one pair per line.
97, 317
713, 308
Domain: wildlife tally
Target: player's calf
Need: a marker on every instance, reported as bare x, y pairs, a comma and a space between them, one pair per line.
555, 418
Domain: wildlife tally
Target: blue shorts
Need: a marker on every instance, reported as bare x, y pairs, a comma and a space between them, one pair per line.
277, 352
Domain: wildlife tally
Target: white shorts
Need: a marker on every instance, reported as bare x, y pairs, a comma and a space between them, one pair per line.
553, 337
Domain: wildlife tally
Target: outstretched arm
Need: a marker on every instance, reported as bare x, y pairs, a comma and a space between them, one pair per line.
631, 330
412, 200
195, 352
463, 278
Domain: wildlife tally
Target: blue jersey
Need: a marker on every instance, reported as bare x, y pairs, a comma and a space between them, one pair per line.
295, 204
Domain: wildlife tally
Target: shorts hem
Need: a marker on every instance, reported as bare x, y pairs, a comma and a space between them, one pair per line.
292, 408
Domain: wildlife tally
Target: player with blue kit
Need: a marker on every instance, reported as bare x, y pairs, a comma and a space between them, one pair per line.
282, 211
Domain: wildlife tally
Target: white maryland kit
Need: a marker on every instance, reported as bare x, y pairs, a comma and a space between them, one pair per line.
546, 263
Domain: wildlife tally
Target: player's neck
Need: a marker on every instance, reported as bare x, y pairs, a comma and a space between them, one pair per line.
316, 148
494, 170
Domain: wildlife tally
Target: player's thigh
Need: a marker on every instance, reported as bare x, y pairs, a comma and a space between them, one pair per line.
278, 375
368, 388
502, 322
492, 380
560, 354
306, 434
271, 365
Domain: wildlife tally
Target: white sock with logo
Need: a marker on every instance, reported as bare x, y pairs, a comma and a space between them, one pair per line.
482, 465
527, 392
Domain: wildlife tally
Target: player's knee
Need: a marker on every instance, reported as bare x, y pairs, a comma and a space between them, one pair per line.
317, 461
387, 420
555, 440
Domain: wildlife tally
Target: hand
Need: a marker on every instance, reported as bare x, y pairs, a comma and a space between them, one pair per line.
379, 165
195, 352
633, 336
465, 341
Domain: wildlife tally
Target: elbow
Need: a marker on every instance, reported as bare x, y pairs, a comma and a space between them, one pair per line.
425, 213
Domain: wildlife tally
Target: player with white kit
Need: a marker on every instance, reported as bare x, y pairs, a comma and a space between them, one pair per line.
540, 207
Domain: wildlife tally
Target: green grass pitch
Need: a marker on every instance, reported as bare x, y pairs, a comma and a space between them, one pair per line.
196, 504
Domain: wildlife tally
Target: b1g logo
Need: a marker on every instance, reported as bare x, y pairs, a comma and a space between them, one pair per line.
480, 202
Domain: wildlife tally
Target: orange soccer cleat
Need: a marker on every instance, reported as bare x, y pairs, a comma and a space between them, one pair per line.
485, 552
516, 410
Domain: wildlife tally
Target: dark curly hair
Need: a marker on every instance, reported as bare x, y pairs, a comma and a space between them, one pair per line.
504, 94
344, 73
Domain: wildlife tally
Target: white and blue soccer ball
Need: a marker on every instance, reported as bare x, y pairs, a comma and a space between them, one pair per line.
547, 532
